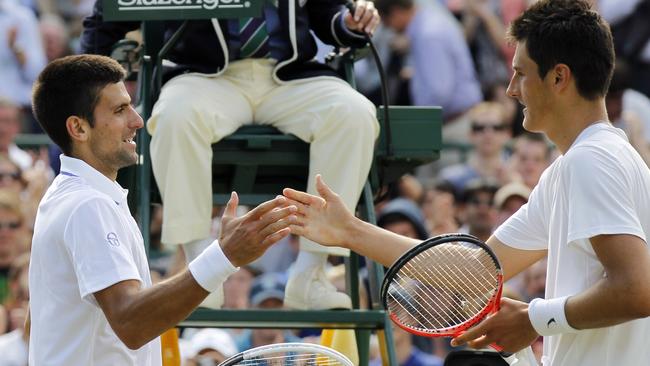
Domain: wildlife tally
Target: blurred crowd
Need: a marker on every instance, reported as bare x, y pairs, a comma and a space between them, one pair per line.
449, 53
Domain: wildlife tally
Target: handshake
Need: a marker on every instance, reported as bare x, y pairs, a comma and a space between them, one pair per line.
323, 219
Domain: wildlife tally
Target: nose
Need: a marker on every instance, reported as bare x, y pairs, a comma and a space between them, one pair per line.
136, 121
511, 91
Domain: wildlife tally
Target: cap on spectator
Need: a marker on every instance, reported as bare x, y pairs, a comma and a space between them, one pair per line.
213, 339
267, 286
513, 189
477, 185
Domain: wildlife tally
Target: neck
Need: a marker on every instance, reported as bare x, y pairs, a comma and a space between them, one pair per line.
574, 119
95, 163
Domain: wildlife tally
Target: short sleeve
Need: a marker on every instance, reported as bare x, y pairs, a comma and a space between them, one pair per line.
601, 197
526, 229
99, 241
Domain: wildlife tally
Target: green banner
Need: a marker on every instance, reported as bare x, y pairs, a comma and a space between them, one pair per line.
122, 10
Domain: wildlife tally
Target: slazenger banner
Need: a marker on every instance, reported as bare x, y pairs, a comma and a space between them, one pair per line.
116, 10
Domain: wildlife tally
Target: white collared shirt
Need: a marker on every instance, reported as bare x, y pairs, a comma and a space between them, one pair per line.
600, 186
85, 240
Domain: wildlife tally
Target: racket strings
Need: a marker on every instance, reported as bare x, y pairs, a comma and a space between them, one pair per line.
290, 359
443, 287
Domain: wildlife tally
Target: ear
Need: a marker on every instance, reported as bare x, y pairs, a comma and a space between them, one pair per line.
561, 76
78, 129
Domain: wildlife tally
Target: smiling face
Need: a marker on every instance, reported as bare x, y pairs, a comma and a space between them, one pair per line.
533, 92
110, 142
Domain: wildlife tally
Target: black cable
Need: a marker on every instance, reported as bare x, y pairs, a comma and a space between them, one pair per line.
384, 99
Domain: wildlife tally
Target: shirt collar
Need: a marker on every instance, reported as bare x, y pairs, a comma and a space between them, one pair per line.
79, 168
595, 127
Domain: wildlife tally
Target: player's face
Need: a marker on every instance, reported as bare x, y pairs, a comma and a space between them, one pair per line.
530, 90
111, 140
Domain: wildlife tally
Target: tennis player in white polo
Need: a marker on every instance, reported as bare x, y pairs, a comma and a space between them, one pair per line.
92, 300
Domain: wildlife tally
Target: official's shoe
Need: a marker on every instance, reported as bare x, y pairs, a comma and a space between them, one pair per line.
310, 290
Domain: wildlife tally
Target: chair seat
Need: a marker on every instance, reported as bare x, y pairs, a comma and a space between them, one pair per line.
258, 162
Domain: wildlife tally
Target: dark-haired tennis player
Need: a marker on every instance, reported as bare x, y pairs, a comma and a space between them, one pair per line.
91, 297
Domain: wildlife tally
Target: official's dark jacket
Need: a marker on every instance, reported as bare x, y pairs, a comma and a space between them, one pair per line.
204, 47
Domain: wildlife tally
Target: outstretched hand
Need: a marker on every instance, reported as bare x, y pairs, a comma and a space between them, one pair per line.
244, 239
325, 219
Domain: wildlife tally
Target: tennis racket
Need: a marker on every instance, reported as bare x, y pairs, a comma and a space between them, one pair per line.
444, 286
281, 354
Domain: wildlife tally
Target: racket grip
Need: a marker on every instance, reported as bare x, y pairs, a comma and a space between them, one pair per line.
501, 351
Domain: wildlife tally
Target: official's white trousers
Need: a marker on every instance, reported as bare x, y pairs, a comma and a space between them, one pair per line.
193, 112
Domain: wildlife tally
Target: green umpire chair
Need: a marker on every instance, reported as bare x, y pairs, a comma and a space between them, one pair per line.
258, 161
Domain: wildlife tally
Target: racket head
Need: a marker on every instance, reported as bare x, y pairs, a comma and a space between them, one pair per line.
443, 286
289, 354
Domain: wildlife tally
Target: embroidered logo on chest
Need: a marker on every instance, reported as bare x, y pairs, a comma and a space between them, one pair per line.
112, 240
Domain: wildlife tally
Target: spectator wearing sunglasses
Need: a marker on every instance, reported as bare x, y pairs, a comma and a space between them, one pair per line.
11, 220
488, 135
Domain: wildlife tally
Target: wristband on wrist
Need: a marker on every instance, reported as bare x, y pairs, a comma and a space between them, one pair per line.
548, 316
211, 268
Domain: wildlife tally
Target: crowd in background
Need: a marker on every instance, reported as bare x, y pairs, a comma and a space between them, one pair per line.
449, 53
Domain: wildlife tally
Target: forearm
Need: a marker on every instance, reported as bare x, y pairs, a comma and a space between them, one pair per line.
149, 312
513, 260
607, 303
380, 245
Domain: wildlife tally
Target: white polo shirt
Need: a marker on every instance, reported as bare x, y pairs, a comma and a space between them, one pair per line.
600, 186
85, 240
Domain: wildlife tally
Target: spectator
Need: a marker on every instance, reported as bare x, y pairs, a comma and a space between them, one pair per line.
403, 217
488, 136
278, 84
9, 128
624, 114
211, 347
21, 52
237, 287
509, 198
71, 11
531, 155
485, 33
631, 32
11, 222
13, 345
267, 292
480, 213
407, 353
55, 37
443, 72
29, 185
439, 208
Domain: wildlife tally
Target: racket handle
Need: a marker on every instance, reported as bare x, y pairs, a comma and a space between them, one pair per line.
501, 351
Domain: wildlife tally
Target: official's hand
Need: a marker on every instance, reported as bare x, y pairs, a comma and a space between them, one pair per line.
365, 18
323, 219
244, 239
508, 328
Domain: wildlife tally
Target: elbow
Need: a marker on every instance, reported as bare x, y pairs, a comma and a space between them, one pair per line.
639, 302
130, 337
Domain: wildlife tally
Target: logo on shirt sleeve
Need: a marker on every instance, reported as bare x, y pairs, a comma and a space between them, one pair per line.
112, 239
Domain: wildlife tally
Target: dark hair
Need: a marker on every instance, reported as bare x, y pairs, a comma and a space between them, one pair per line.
71, 86
384, 7
568, 32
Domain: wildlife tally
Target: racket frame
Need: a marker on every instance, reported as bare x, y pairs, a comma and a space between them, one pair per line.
317, 349
491, 307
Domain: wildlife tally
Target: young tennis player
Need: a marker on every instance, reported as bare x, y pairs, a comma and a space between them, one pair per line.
590, 212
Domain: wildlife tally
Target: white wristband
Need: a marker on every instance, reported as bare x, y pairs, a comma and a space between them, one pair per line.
548, 317
211, 268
